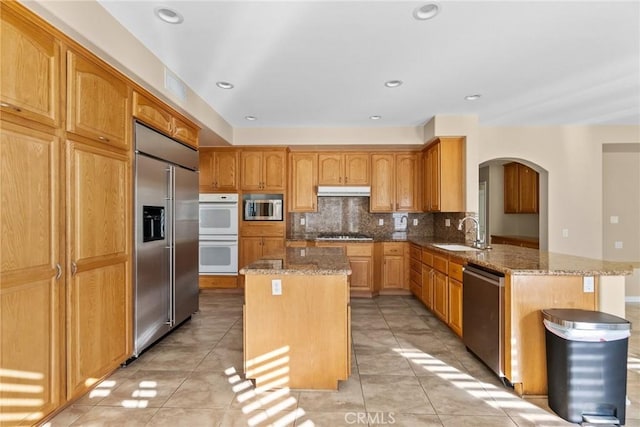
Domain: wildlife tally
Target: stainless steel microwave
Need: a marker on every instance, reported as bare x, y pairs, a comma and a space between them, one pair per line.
263, 210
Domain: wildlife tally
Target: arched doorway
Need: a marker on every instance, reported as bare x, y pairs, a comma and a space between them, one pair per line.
494, 220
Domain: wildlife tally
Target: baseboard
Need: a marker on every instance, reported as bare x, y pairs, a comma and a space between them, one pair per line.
632, 299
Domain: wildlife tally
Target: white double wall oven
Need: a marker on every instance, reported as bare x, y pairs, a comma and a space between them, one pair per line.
218, 234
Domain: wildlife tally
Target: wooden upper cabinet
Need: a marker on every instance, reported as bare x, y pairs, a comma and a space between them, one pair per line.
521, 192
263, 170
383, 178
443, 161
303, 173
97, 102
219, 170
343, 169
154, 114
30, 69
408, 182
395, 182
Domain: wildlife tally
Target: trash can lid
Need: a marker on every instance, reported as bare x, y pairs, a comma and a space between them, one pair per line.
585, 319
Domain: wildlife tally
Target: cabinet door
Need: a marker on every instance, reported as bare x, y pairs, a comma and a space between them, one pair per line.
356, 169
510, 188
250, 250
441, 296
273, 246
151, 113
434, 173
302, 182
251, 171
99, 235
455, 306
182, 131
527, 190
361, 273
30, 69
407, 187
330, 169
427, 286
97, 102
274, 171
393, 272
225, 171
31, 322
382, 183
206, 180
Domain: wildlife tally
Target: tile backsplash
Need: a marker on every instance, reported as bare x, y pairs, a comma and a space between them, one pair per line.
351, 215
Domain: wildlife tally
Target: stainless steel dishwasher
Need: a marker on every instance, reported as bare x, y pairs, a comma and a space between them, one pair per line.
482, 315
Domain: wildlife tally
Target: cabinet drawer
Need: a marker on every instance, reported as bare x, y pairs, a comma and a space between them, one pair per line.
259, 229
440, 264
455, 271
427, 257
416, 252
416, 276
393, 249
416, 265
360, 250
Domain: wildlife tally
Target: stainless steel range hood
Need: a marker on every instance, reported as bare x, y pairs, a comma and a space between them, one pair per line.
346, 191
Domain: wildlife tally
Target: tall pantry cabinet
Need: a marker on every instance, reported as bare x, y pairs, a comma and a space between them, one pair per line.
65, 218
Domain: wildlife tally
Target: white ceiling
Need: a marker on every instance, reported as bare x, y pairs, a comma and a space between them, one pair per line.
324, 63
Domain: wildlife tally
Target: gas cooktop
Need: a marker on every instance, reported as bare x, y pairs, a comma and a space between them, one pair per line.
343, 236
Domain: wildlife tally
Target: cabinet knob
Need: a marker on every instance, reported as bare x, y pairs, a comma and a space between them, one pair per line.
346, 179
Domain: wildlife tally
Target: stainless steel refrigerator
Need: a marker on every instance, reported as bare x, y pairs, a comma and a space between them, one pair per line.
166, 235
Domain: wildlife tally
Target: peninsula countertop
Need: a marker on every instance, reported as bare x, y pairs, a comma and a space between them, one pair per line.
310, 261
515, 260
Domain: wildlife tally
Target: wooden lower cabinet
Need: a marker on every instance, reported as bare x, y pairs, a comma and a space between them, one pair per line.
455, 306
31, 275
427, 286
393, 268
441, 296
361, 261
415, 270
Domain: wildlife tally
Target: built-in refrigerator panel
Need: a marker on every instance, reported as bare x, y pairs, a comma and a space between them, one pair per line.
153, 268
186, 243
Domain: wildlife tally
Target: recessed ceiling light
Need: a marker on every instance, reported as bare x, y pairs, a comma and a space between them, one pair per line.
169, 16
250, 118
426, 11
472, 97
393, 83
224, 85
375, 117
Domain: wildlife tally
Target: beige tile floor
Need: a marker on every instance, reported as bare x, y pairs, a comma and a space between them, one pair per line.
408, 370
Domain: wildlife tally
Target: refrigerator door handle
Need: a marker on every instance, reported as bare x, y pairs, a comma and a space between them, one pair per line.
172, 239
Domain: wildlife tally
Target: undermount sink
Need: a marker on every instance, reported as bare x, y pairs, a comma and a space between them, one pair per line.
454, 247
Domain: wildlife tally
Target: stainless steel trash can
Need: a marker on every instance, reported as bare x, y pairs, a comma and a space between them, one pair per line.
586, 364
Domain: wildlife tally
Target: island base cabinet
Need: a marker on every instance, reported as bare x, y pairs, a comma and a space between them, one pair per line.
525, 364
299, 339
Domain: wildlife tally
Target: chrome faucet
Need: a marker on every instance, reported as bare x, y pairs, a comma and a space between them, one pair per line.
479, 241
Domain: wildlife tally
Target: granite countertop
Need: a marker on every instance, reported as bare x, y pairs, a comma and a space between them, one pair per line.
310, 261
515, 260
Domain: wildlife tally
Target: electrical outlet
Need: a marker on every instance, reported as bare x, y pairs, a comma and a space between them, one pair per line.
618, 245
276, 287
380, 221
415, 221
447, 222
565, 232
302, 221
614, 219
588, 284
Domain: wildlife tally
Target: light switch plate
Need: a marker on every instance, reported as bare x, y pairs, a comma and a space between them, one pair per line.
380, 221
302, 221
614, 219
618, 245
565, 232
415, 221
276, 287
447, 222
588, 284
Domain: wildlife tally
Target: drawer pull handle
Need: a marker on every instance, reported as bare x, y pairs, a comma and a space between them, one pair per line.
103, 138
13, 107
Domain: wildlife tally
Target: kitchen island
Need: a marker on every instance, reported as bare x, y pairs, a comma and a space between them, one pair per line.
297, 331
